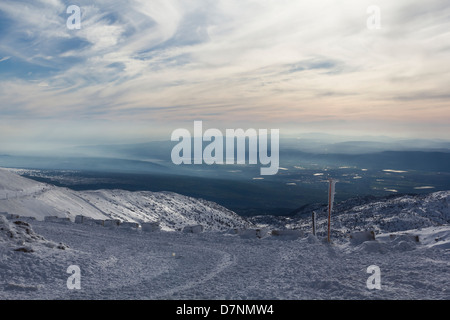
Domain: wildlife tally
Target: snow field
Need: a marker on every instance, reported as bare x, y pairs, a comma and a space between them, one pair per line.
126, 264
122, 263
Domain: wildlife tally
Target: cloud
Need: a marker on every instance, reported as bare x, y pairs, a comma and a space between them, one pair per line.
269, 61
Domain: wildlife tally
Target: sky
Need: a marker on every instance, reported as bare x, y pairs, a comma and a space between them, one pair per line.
136, 70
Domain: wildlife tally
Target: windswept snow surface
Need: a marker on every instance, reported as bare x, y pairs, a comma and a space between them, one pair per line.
130, 264
121, 263
173, 211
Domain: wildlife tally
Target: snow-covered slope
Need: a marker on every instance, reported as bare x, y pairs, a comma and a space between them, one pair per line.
398, 214
123, 264
119, 263
173, 211
385, 215
28, 198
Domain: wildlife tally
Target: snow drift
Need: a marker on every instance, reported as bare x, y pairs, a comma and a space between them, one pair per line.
19, 236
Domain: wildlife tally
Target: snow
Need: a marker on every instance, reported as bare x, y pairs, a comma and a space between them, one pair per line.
173, 211
129, 263
122, 264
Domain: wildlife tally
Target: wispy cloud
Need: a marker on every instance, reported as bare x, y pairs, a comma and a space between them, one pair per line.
271, 61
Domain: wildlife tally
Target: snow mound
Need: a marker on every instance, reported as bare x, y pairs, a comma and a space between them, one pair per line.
435, 237
19, 236
431, 237
405, 241
312, 239
286, 234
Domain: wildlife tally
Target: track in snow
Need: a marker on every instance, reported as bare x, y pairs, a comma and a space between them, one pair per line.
126, 264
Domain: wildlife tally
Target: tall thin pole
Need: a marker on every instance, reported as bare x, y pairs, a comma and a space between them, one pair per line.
329, 209
330, 204
314, 222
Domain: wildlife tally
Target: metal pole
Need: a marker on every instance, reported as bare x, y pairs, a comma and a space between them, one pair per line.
314, 222
329, 209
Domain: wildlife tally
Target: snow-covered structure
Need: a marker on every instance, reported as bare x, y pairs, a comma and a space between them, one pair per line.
362, 236
111, 223
129, 225
254, 233
57, 219
287, 234
150, 226
88, 220
79, 219
193, 229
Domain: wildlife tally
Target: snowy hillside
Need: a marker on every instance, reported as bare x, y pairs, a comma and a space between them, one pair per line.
382, 215
25, 197
173, 211
411, 248
126, 264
